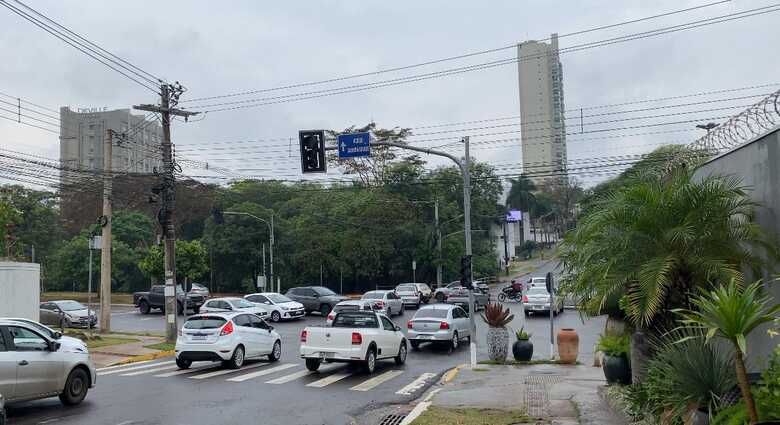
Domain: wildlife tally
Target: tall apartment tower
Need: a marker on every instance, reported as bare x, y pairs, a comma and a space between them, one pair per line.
543, 131
81, 141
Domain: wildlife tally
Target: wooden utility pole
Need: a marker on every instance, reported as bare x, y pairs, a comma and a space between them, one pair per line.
169, 97
105, 221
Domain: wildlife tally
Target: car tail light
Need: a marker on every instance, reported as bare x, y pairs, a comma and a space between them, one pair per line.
525, 298
357, 339
444, 325
303, 335
331, 316
227, 329
409, 325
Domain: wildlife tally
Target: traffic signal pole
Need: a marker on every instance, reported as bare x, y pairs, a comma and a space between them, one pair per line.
464, 165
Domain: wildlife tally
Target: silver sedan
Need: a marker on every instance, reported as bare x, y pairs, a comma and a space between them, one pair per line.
443, 323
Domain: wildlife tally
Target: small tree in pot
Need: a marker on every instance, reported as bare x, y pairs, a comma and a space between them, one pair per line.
523, 348
497, 317
616, 365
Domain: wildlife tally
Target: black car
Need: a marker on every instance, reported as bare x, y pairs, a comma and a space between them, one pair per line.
155, 298
315, 298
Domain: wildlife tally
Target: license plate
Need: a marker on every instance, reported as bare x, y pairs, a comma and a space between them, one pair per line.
326, 355
423, 336
538, 307
198, 337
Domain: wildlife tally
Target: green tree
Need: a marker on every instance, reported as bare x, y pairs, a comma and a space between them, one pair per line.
521, 194
191, 261
133, 228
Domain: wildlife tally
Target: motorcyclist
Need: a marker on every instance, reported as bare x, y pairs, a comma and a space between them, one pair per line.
517, 286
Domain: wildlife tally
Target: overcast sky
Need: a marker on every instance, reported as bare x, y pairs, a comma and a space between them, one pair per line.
217, 48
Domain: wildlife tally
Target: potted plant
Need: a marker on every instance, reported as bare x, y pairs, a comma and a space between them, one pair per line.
523, 348
616, 365
497, 317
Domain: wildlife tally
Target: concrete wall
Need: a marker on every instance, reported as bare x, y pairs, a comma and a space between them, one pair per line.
758, 164
20, 288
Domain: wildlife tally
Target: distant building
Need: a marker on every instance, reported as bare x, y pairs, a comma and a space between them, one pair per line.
82, 134
543, 132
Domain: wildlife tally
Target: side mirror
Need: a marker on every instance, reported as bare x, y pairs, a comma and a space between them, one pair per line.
270, 328
53, 345
57, 335
397, 328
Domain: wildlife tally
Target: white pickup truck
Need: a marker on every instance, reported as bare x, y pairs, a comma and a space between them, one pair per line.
354, 336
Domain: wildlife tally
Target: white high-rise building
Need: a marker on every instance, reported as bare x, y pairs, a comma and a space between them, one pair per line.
543, 132
82, 134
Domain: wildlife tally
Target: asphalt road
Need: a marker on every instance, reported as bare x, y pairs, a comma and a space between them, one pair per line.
283, 392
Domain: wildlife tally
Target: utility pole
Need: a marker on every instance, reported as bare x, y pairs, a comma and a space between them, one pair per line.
438, 242
265, 276
271, 249
466, 165
506, 249
105, 221
169, 98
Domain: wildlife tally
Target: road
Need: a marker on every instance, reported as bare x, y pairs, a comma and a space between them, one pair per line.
283, 392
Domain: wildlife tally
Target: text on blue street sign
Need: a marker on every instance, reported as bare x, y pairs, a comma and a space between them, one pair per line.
354, 145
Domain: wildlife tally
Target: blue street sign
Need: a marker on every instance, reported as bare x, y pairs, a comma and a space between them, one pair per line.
354, 145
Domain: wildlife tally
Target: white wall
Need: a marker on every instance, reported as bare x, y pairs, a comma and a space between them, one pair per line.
20, 288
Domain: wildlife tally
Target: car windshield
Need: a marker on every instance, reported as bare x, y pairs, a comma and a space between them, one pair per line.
71, 305
322, 291
432, 313
205, 322
538, 291
373, 296
278, 298
355, 320
242, 303
406, 288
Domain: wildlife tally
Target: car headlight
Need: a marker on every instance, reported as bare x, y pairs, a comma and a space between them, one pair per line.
284, 307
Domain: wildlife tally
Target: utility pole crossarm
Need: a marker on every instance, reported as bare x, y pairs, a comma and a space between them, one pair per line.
173, 111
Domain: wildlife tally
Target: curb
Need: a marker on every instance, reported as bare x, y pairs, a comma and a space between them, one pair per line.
145, 357
452, 373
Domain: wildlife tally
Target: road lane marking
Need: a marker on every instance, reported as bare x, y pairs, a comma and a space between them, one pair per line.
157, 369
247, 376
128, 369
226, 371
291, 377
123, 365
330, 379
416, 384
185, 371
370, 384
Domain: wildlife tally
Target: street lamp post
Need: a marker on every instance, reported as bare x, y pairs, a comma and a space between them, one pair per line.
271, 238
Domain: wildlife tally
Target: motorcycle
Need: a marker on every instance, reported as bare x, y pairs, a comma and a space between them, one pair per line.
510, 293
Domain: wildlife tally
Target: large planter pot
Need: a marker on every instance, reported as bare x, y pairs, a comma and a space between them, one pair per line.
498, 343
616, 369
568, 345
523, 350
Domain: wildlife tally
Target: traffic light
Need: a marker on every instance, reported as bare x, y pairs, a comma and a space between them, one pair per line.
465, 271
312, 151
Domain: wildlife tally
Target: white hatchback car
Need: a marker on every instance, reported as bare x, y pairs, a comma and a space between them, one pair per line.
281, 307
228, 304
228, 337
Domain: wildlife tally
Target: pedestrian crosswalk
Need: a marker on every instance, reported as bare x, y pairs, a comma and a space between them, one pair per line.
350, 378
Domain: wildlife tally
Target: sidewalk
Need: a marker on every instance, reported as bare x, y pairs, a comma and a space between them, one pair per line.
111, 354
559, 394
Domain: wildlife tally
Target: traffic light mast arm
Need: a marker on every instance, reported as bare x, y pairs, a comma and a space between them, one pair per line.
411, 148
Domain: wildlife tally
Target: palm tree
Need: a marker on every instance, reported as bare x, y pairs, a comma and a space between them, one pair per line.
731, 312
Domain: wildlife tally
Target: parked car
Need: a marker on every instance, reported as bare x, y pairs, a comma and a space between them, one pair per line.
439, 323
155, 298
34, 366
537, 300
315, 298
72, 313
230, 337
67, 343
442, 293
281, 307
228, 304
386, 302
482, 285
349, 305
409, 294
355, 337
198, 289
2, 410
460, 297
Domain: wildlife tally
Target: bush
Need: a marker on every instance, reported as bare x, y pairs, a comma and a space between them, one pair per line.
614, 345
732, 415
768, 392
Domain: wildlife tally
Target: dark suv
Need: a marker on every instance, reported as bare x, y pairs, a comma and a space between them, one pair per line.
315, 298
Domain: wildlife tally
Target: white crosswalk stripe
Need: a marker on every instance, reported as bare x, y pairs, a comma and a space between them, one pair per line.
370, 384
291, 377
152, 370
226, 371
416, 384
123, 365
330, 379
128, 369
252, 375
186, 371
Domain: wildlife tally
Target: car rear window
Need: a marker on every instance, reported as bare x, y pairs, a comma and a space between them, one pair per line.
348, 307
205, 322
539, 290
406, 288
433, 313
355, 320
373, 295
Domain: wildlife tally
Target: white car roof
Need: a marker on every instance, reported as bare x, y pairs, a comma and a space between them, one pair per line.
354, 302
438, 307
226, 299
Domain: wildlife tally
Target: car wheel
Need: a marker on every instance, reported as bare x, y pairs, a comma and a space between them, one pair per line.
440, 297
324, 310
237, 360
401, 357
75, 387
455, 341
425, 300
527, 313
276, 352
183, 364
415, 345
370, 363
313, 364
144, 308
275, 316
